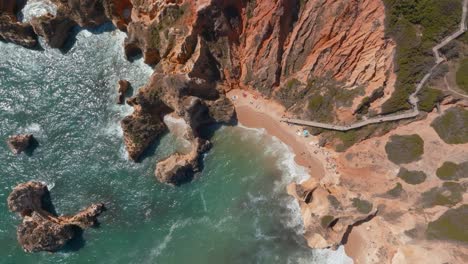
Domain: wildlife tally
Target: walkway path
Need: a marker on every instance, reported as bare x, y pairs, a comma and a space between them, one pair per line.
452, 90
413, 99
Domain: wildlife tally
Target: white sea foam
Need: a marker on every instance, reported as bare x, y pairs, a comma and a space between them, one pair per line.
160, 248
113, 129
33, 128
36, 8
328, 256
123, 154
292, 172
50, 185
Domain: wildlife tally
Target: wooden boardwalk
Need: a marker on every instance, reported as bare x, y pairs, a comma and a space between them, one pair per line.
413, 99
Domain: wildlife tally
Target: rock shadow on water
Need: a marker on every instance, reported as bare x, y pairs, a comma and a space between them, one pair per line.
209, 131
33, 145
76, 243
150, 151
47, 204
72, 36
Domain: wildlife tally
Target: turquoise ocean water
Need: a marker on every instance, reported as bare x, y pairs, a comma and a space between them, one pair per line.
235, 211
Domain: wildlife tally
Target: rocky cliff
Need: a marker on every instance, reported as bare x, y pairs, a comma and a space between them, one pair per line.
290, 50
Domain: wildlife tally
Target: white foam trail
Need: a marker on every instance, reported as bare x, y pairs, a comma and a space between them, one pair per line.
167, 239
37, 8
204, 202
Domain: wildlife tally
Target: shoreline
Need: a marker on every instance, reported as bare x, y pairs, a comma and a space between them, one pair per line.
254, 111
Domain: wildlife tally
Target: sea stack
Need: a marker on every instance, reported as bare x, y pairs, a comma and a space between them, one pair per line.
122, 89
41, 229
20, 143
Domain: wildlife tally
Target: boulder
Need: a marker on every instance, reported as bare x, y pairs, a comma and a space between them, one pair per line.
20, 143
41, 229
38, 233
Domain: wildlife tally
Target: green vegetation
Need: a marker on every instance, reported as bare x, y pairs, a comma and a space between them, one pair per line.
412, 177
250, 8
366, 102
452, 126
327, 97
363, 206
395, 191
449, 194
428, 98
404, 149
450, 226
450, 171
347, 138
172, 15
462, 75
326, 220
416, 26
334, 202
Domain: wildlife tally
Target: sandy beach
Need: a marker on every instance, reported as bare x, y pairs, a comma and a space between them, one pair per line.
254, 111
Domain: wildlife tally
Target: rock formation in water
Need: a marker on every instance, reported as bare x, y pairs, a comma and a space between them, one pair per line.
180, 168
11, 29
56, 29
41, 229
201, 49
20, 143
122, 89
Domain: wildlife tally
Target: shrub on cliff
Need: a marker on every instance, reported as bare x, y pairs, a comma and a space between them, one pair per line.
450, 226
411, 177
404, 149
429, 98
452, 126
450, 171
363, 206
449, 194
462, 75
416, 26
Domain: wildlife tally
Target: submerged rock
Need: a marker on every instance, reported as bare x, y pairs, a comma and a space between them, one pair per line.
20, 143
41, 229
